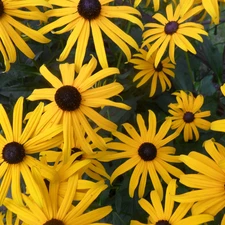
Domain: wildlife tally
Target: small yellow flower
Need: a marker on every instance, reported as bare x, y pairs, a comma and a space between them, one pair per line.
149, 71
172, 31
186, 115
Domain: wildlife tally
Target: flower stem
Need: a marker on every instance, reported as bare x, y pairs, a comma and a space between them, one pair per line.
189, 68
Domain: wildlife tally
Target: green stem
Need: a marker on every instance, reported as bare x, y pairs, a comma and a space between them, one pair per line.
218, 79
189, 68
122, 222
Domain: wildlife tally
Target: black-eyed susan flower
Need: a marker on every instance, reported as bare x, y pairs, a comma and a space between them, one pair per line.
53, 211
146, 153
9, 27
172, 31
17, 146
82, 16
187, 116
219, 125
73, 100
167, 215
148, 71
208, 183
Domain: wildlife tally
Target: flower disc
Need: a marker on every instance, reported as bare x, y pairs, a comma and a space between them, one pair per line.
68, 98
147, 151
89, 9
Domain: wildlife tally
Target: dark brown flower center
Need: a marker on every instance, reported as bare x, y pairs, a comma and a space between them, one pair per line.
188, 117
89, 9
13, 153
171, 27
159, 67
75, 150
147, 151
68, 98
54, 222
162, 222
1, 8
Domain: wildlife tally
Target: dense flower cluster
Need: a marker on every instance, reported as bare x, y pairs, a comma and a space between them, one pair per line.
83, 135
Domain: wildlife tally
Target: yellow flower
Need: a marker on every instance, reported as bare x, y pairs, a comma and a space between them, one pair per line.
149, 71
209, 180
53, 211
219, 125
186, 115
72, 101
172, 31
146, 153
9, 28
165, 216
81, 16
17, 147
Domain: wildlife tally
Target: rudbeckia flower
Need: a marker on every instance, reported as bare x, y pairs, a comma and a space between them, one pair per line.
219, 125
10, 28
209, 193
51, 211
72, 101
149, 71
146, 153
81, 16
17, 146
167, 215
187, 116
172, 31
